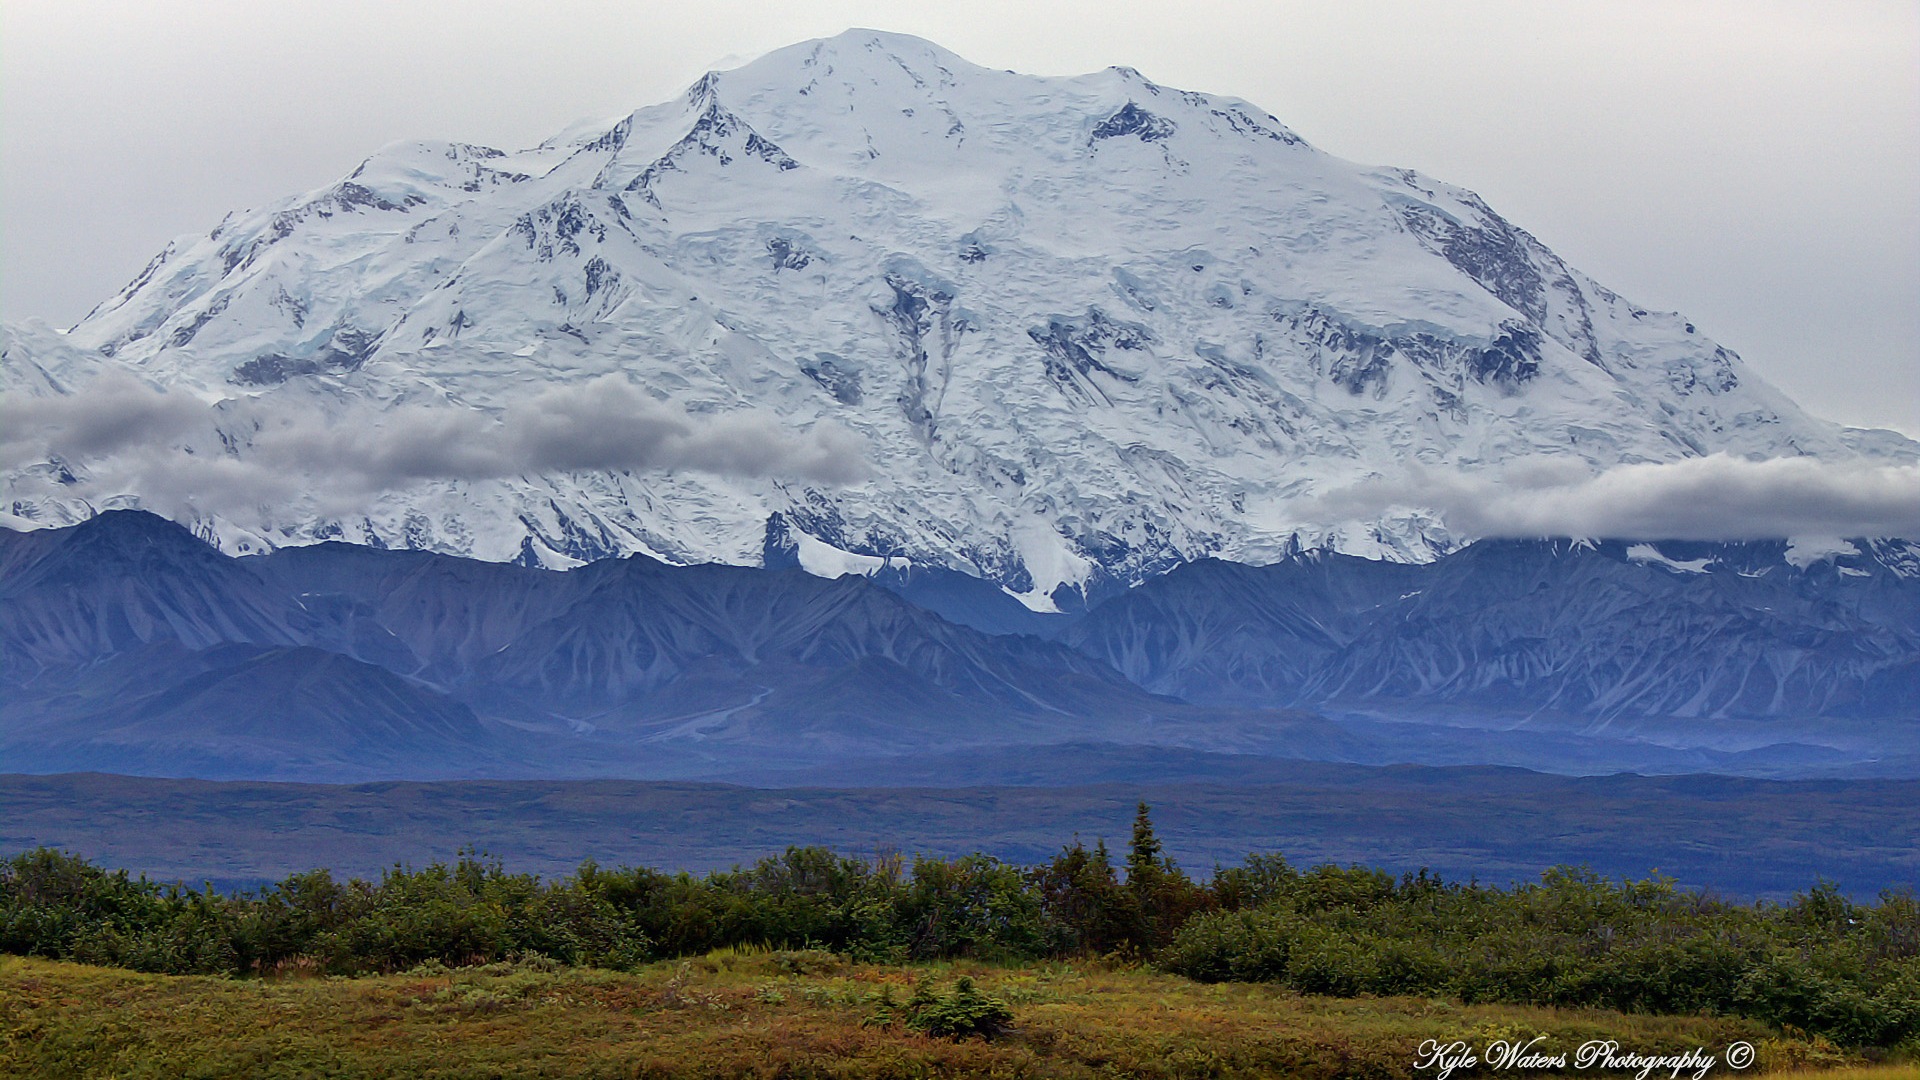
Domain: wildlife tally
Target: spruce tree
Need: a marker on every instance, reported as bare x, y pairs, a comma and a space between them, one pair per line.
1145, 866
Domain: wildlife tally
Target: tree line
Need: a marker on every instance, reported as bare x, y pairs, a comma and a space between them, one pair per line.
1822, 963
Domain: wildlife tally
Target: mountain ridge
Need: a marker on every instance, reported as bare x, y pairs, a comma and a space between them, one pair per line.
343, 662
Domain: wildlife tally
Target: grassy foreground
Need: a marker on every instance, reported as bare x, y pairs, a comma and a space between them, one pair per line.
758, 1013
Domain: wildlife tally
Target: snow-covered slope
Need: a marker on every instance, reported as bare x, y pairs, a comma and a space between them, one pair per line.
1079, 329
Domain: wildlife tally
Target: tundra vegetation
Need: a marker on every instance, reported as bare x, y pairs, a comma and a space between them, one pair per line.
1067, 964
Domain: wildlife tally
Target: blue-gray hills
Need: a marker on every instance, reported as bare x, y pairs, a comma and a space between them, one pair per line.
129, 645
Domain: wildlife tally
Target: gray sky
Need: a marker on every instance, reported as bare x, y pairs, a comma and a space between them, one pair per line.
1755, 165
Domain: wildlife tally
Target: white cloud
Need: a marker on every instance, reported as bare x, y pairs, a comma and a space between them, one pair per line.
117, 412
124, 437
1710, 498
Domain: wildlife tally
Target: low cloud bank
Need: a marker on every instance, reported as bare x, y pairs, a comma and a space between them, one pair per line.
1719, 497
117, 412
129, 438
601, 426
125, 437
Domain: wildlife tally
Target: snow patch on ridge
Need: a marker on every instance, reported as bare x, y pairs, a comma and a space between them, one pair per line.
1647, 553
821, 559
1804, 551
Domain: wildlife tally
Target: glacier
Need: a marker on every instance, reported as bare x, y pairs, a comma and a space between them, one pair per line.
1076, 331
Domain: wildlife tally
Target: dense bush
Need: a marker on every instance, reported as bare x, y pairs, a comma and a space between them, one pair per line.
1822, 964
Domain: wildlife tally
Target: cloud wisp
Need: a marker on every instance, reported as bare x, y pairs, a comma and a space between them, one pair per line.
601, 426
125, 437
117, 412
120, 436
1719, 497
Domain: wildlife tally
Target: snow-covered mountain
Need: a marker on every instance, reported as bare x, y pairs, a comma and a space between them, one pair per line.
1047, 331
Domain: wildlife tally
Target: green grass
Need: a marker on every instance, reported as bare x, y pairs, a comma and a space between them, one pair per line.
758, 1013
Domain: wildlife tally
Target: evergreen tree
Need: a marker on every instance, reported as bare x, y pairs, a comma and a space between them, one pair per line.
1162, 897
1145, 865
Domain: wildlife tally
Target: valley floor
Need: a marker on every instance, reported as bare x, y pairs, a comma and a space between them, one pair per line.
1739, 838
781, 1014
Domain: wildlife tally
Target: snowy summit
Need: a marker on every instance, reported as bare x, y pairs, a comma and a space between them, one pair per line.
862, 301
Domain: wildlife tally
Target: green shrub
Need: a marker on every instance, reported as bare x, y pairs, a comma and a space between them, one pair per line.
961, 1013
1822, 964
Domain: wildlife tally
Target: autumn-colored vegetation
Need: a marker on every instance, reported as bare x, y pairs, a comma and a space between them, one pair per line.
768, 1013
1821, 971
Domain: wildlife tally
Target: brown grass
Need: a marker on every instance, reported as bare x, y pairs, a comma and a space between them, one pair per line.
752, 1013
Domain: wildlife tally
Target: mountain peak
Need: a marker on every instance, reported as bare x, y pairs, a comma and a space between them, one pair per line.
859, 47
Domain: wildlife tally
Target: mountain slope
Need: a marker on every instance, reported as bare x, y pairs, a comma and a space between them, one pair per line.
69, 597
336, 661
353, 661
1075, 331
245, 711
1669, 638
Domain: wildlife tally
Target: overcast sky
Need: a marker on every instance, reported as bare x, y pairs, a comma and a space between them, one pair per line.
1755, 165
